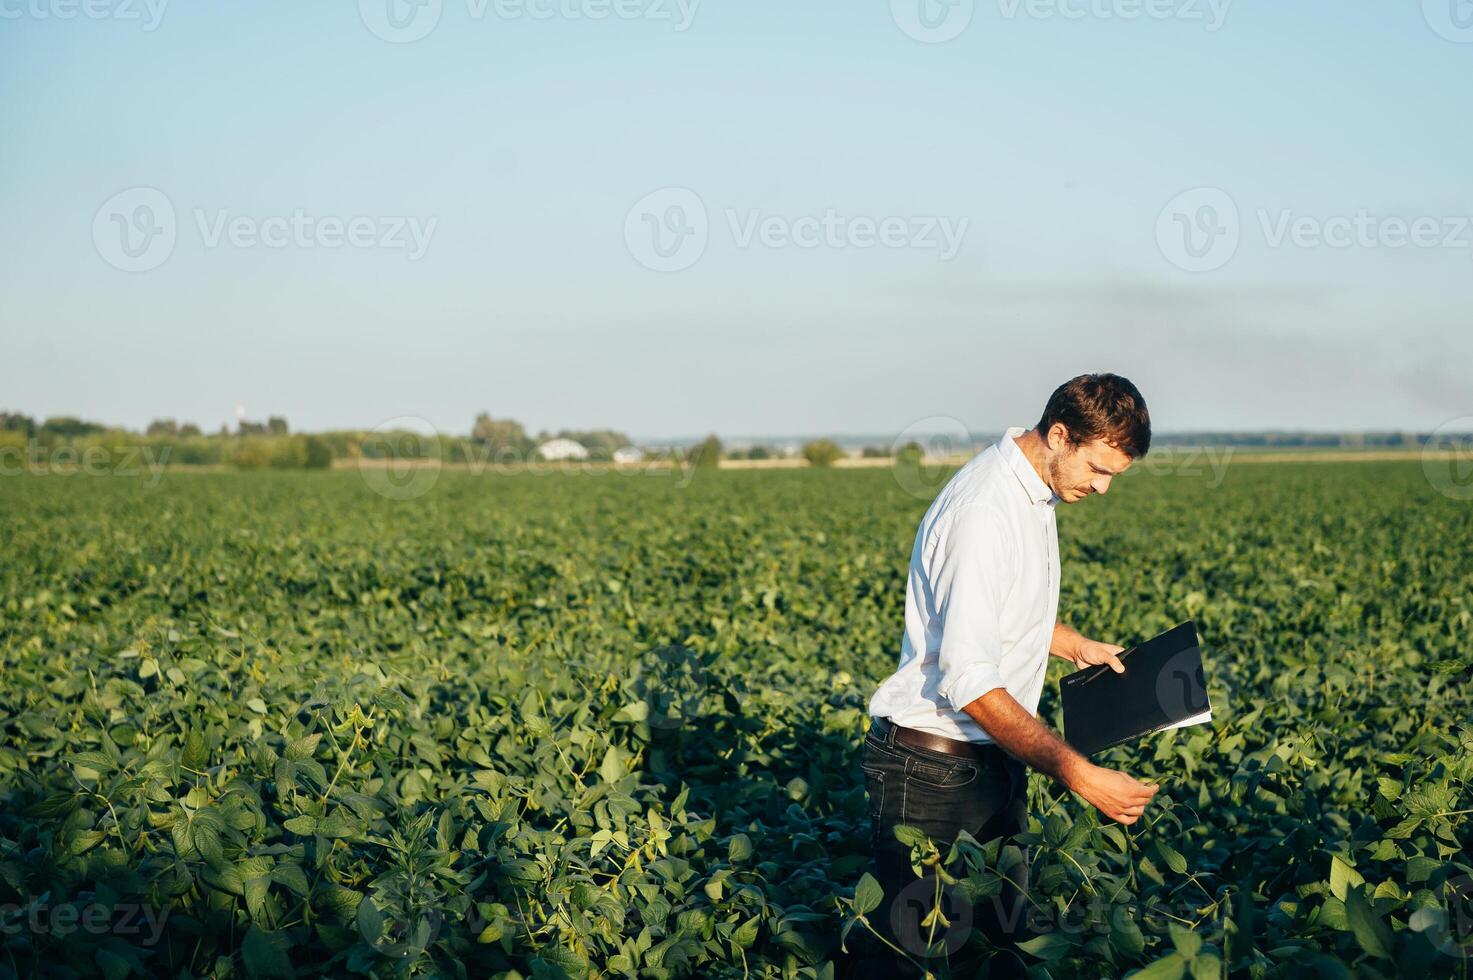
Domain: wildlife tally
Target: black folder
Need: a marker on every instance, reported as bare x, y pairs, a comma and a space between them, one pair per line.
1163, 687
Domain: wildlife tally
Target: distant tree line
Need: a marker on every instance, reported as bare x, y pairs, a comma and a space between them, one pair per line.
272, 444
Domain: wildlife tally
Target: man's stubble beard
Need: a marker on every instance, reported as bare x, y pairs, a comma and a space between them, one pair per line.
1055, 477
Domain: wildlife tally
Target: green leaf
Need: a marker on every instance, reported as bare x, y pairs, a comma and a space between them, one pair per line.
94, 763
1172, 857
633, 711
206, 838
1125, 933
1049, 946
739, 848
1420, 868
1207, 966
256, 892
1342, 876
302, 824
338, 824
1404, 829
1373, 934
113, 966
264, 953
746, 933
1186, 942
611, 770
909, 835
1169, 967
867, 894
303, 747
292, 876
195, 753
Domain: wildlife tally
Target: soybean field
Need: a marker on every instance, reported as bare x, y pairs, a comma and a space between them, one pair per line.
281, 724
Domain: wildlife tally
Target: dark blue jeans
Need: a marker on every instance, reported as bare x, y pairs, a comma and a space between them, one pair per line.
942, 794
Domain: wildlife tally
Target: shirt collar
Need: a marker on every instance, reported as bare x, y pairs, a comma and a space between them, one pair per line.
1033, 484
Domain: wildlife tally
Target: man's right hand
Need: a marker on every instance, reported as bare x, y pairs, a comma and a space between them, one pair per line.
1025, 737
1116, 795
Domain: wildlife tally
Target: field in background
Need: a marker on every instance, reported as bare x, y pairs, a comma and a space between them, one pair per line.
1183, 460
571, 724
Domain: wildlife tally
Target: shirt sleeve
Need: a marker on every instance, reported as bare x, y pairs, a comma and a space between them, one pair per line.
970, 572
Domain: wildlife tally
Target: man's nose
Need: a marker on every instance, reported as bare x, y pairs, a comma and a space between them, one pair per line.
1102, 485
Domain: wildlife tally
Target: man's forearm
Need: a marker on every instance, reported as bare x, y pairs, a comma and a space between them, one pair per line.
1025, 737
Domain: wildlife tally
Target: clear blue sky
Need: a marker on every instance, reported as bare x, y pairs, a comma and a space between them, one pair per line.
527, 140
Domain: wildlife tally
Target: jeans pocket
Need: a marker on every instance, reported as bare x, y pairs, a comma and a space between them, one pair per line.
935, 774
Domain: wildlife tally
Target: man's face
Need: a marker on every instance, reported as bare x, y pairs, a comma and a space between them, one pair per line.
1077, 471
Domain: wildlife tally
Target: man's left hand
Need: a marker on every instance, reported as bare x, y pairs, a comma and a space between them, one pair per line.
1092, 653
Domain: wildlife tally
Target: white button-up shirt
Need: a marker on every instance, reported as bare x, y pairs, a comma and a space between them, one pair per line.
981, 599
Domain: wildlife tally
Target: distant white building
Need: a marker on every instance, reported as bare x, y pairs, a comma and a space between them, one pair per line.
559, 449
628, 454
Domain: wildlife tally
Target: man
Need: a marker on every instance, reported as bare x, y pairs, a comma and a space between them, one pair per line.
954, 727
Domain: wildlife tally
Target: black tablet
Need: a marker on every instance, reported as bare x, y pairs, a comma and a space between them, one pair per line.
1163, 687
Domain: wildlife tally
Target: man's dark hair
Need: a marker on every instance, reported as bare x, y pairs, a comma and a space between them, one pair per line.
1100, 406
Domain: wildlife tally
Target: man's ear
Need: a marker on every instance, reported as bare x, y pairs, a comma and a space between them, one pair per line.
1058, 436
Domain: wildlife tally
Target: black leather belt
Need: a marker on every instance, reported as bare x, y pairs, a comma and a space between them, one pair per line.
981, 751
